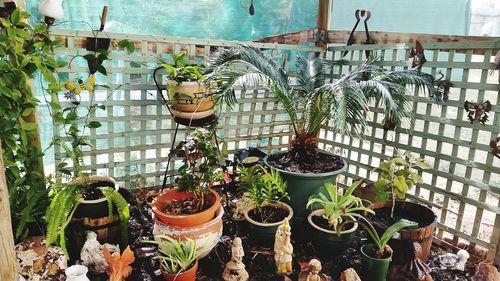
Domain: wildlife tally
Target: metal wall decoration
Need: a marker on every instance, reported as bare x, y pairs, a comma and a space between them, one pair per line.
417, 56
495, 147
477, 111
442, 92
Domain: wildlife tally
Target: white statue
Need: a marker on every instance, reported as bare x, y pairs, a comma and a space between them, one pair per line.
312, 272
235, 269
283, 248
240, 207
91, 254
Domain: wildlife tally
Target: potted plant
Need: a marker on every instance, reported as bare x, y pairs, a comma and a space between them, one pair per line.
334, 224
192, 201
179, 260
188, 93
396, 177
311, 101
378, 256
264, 191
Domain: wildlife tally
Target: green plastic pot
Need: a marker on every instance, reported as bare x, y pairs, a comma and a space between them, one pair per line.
263, 233
302, 185
373, 267
328, 242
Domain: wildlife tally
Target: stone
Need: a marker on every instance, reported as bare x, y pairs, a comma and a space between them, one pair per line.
349, 275
92, 255
313, 272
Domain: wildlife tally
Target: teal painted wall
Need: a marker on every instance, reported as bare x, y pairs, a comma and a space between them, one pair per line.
449, 17
217, 19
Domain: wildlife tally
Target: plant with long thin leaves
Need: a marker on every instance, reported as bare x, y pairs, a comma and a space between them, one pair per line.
337, 206
311, 100
381, 241
176, 257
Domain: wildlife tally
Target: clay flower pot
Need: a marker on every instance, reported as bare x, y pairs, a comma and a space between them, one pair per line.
189, 101
188, 275
162, 200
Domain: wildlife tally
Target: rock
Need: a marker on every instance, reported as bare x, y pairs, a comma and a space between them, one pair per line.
38, 262
349, 275
486, 271
92, 256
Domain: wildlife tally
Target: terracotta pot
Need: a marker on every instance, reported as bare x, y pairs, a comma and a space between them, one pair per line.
264, 232
192, 115
162, 200
188, 275
206, 235
327, 241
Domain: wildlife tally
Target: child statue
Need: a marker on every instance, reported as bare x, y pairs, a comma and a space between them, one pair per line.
235, 269
283, 249
311, 273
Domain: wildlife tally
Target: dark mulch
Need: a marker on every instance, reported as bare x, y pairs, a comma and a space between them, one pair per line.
260, 261
269, 214
383, 218
322, 164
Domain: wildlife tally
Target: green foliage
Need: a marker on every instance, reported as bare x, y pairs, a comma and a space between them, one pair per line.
396, 177
381, 241
337, 206
25, 51
176, 256
181, 72
262, 186
344, 101
115, 198
201, 169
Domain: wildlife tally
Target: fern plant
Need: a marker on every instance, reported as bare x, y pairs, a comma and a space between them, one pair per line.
65, 201
311, 100
262, 186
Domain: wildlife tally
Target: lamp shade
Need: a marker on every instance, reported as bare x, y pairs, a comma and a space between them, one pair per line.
52, 9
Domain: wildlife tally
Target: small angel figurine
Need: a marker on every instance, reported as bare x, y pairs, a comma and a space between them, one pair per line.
235, 269
311, 273
283, 249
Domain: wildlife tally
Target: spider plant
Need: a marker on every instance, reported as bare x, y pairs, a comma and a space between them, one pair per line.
311, 99
175, 256
337, 207
382, 248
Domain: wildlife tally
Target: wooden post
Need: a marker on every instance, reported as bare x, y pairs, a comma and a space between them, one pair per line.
7, 254
324, 11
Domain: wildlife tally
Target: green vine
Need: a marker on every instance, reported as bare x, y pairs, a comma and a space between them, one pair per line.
24, 52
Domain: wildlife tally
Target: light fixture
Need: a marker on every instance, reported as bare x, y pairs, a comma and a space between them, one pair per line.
52, 10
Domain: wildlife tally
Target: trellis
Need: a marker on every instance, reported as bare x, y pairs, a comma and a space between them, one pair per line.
463, 187
137, 131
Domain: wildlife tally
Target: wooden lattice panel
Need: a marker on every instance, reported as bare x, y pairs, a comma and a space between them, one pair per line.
137, 129
463, 186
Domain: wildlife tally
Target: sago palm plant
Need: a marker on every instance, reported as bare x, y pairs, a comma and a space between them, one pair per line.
311, 99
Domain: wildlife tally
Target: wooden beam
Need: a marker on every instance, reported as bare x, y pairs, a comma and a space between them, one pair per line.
322, 21
341, 36
7, 254
296, 38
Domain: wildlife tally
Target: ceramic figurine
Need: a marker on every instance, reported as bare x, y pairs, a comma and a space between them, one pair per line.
92, 256
77, 273
452, 261
283, 249
312, 272
119, 265
240, 207
235, 269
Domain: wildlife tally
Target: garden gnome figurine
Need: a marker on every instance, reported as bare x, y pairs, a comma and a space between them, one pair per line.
235, 269
283, 249
311, 273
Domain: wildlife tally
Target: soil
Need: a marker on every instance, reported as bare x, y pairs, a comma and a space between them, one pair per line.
323, 223
324, 163
92, 191
259, 261
184, 207
383, 218
269, 214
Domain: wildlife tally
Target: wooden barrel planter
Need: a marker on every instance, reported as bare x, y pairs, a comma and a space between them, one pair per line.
423, 235
93, 216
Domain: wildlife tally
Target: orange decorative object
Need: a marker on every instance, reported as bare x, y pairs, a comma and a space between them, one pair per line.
119, 265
